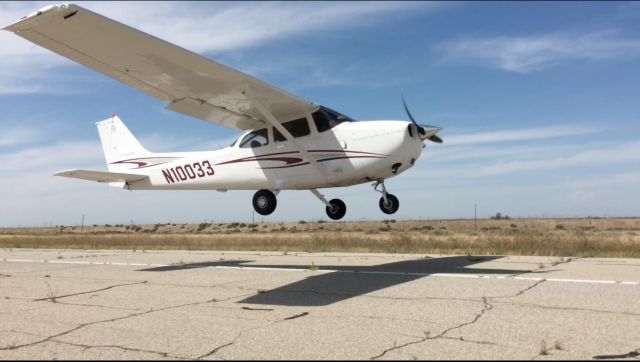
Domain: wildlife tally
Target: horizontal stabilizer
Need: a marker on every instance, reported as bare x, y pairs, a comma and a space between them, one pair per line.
101, 176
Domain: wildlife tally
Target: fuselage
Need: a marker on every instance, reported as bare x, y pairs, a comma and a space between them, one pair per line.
349, 153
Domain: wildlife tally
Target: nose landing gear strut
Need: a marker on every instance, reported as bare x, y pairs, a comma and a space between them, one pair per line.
389, 204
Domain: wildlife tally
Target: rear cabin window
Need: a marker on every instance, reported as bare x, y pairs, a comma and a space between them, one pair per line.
326, 119
297, 128
257, 138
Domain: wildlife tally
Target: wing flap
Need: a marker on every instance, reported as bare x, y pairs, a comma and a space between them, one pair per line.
101, 176
155, 67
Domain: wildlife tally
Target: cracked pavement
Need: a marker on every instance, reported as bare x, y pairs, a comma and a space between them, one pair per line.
72, 304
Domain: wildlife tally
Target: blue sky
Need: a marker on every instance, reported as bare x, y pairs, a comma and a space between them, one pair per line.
539, 103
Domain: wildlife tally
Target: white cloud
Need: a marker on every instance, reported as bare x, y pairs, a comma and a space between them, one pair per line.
615, 154
53, 158
19, 136
524, 134
525, 54
625, 178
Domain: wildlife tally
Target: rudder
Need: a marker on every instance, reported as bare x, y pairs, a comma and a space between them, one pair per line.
118, 143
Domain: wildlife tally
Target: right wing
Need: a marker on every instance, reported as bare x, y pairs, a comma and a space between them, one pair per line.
102, 176
191, 84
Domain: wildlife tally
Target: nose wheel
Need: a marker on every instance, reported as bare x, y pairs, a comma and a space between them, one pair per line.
264, 202
389, 204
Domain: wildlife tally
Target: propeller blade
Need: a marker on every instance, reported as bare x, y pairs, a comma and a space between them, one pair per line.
423, 128
408, 113
435, 139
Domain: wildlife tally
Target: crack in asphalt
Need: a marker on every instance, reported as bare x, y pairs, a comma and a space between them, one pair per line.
633, 354
99, 306
128, 349
487, 307
49, 338
461, 339
531, 305
53, 298
521, 292
215, 350
296, 316
218, 348
529, 288
558, 262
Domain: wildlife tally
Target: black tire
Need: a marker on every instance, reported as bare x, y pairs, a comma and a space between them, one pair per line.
264, 202
338, 210
391, 206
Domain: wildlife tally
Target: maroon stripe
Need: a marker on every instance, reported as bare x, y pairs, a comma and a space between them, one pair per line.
338, 158
266, 157
288, 160
270, 168
143, 164
347, 151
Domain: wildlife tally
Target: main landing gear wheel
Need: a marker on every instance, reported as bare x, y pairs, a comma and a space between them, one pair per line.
391, 206
264, 202
337, 209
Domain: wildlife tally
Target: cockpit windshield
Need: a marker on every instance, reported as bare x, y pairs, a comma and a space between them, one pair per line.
326, 118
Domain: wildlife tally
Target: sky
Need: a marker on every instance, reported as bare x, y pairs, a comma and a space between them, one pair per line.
539, 102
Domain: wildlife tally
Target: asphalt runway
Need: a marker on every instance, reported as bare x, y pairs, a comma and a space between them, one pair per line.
108, 304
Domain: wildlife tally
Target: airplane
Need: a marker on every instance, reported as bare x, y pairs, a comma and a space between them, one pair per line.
288, 143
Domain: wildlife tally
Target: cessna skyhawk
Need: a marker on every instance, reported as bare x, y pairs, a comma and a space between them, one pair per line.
288, 143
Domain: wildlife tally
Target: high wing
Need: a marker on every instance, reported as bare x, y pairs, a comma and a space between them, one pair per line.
102, 176
191, 84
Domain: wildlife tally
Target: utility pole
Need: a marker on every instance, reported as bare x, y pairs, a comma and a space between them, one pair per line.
82, 224
475, 217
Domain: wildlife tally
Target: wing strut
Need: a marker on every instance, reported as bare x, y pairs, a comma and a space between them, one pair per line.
274, 122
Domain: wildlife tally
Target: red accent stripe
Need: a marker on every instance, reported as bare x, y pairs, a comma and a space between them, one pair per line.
338, 158
270, 168
287, 160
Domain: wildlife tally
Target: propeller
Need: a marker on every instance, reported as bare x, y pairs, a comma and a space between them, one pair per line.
426, 131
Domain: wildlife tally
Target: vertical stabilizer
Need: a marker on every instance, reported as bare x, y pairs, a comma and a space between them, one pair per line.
118, 143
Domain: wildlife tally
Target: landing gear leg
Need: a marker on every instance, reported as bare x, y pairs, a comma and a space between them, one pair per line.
389, 204
336, 209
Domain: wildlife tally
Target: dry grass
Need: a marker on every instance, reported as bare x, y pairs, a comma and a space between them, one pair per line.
549, 237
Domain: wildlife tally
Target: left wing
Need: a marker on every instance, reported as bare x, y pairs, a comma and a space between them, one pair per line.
190, 83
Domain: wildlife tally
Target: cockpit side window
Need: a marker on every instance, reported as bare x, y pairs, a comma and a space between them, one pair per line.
297, 128
326, 119
257, 138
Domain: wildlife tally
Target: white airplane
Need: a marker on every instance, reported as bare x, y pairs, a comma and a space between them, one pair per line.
288, 143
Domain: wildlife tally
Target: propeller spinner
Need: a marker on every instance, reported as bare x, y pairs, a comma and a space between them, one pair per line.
426, 132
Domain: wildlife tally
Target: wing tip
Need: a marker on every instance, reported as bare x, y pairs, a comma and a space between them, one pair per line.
28, 21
